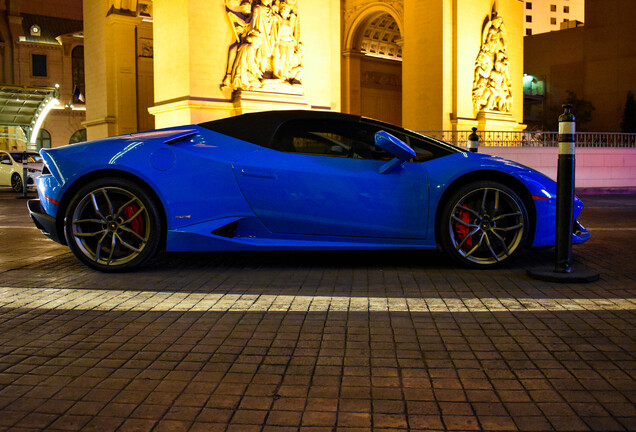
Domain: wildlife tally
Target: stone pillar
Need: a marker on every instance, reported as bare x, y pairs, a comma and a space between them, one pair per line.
191, 39
427, 66
110, 65
351, 76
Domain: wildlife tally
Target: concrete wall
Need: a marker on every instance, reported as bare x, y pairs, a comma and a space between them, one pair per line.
595, 167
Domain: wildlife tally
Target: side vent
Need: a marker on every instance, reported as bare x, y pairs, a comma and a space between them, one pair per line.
180, 138
228, 230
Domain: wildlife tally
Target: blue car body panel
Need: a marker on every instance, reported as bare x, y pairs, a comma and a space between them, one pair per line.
220, 192
303, 194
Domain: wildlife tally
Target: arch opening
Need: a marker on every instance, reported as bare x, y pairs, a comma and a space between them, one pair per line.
372, 68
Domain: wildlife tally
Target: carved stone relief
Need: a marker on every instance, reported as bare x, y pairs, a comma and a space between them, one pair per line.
492, 83
266, 52
381, 80
124, 6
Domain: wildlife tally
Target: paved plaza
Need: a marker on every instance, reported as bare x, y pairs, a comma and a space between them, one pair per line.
309, 341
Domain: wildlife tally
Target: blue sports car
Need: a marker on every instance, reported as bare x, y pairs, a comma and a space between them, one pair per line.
289, 180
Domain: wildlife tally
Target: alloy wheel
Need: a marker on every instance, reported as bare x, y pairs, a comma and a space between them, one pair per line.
111, 226
486, 226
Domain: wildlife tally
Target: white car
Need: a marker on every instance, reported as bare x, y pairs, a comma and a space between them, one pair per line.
11, 168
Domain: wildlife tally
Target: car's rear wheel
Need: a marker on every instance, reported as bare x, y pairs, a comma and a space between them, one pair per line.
16, 182
483, 224
112, 224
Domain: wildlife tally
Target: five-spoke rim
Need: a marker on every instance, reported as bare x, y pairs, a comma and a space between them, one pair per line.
486, 225
111, 226
16, 182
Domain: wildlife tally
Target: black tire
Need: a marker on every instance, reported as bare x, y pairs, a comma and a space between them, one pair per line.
16, 182
483, 224
112, 225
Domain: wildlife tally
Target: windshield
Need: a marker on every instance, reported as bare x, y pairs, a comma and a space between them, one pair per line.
32, 157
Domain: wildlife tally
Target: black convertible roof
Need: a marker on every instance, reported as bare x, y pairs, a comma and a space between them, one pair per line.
259, 127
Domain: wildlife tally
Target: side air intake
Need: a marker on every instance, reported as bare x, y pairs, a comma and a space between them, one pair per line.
228, 230
180, 138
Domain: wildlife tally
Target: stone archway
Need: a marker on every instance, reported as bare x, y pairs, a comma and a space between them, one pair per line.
372, 64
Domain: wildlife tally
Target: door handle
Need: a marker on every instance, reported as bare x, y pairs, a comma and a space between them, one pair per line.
259, 174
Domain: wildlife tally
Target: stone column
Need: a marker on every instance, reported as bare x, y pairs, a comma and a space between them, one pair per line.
191, 39
110, 65
351, 76
427, 64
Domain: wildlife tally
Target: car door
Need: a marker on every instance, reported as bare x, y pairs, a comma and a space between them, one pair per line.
6, 165
323, 178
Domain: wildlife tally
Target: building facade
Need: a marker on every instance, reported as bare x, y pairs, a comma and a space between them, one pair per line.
596, 63
41, 47
542, 16
425, 65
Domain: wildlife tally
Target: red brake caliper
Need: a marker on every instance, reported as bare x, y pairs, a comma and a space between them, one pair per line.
462, 230
137, 224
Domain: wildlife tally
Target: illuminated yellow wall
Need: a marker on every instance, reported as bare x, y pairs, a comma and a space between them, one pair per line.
441, 41
191, 40
470, 19
110, 43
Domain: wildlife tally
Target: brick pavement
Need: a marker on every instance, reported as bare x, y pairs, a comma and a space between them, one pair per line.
312, 341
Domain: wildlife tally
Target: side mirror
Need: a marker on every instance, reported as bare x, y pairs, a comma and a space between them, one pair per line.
398, 148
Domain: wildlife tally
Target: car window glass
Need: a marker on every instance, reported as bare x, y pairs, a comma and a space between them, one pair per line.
424, 147
5, 159
31, 157
329, 138
423, 152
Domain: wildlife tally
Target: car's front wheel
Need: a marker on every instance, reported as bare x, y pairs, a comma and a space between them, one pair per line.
112, 224
16, 182
483, 224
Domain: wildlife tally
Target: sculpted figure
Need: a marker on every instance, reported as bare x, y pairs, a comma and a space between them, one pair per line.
491, 85
240, 25
482, 75
266, 49
286, 43
263, 22
246, 73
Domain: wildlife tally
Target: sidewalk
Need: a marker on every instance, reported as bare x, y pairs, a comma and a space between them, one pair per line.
344, 341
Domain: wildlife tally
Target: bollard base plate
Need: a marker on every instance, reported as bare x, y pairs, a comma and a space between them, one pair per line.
575, 276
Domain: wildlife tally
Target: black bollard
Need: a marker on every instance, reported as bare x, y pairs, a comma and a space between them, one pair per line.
25, 174
473, 141
565, 209
565, 191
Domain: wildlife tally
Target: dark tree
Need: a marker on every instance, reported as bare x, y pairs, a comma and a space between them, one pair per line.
582, 110
628, 125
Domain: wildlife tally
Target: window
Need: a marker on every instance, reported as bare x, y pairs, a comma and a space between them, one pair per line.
77, 62
38, 65
528, 32
566, 20
348, 140
552, 8
5, 159
553, 21
78, 136
328, 138
566, 9
44, 139
528, 18
528, 5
